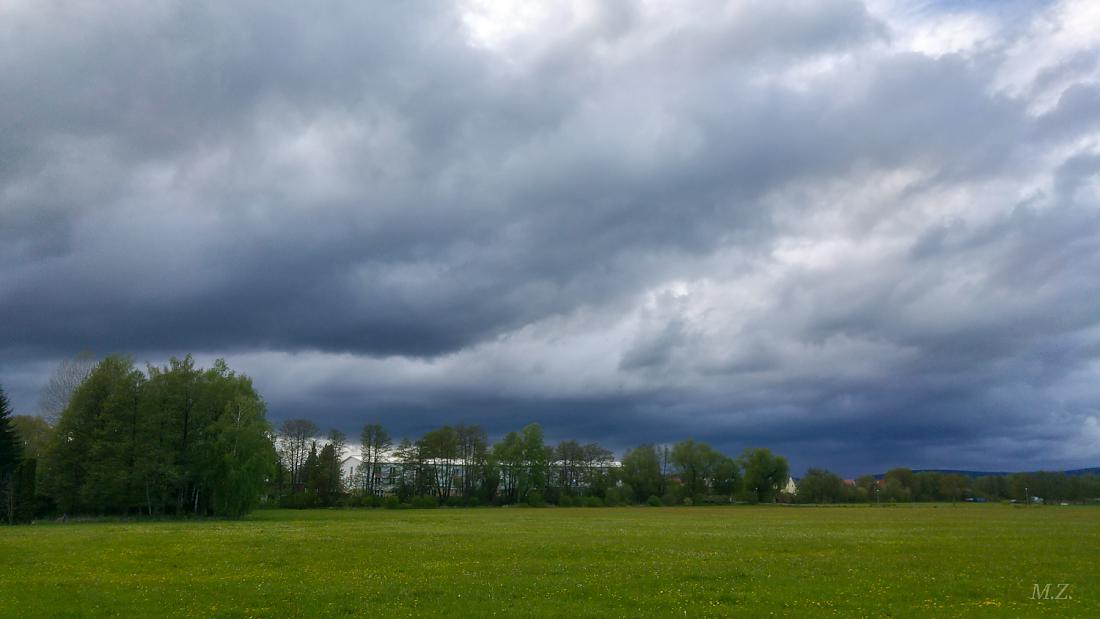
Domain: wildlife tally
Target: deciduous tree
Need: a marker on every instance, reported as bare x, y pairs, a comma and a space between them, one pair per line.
295, 436
642, 471
177, 439
66, 378
765, 473
376, 444
820, 486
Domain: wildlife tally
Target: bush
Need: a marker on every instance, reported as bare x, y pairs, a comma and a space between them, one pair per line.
299, 500
626, 494
594, 501
425, 502
565, 501
535, 500
669, 499
375, 501
653, 501
473, 502
688, 501
391, 502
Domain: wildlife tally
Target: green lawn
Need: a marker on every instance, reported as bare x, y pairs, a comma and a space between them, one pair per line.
752, 561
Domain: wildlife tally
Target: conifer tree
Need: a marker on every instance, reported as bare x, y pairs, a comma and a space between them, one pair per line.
11, 453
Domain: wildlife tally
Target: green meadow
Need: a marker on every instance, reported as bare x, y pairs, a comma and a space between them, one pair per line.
911, 560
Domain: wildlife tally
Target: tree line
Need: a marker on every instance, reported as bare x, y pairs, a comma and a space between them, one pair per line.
457, 465
902, 485
182, 440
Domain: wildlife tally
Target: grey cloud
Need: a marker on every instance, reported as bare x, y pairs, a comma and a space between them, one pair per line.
655, 349
364, 180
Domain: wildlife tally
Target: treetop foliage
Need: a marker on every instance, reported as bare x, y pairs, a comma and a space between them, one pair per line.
174, 439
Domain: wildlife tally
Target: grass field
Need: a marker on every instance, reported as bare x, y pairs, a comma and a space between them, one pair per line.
941, 560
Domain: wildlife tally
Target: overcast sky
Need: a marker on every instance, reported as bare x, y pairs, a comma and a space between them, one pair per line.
864, 234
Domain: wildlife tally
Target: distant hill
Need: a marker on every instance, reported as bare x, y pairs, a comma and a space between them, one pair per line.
972, 474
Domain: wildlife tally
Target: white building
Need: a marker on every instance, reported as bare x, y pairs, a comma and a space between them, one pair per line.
791, 487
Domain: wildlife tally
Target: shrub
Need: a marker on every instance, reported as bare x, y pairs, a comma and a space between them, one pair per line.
594, 501
299, 501
473, 502
688, 501
425, 502
613, 496
653, 501
565, 501
669, 499
627, 496
535, 500
391, 502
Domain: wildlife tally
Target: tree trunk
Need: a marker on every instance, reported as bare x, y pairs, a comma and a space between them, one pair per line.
148, 498
8, 487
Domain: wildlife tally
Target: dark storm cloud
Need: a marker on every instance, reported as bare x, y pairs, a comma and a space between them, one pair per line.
493, 220
767, 223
